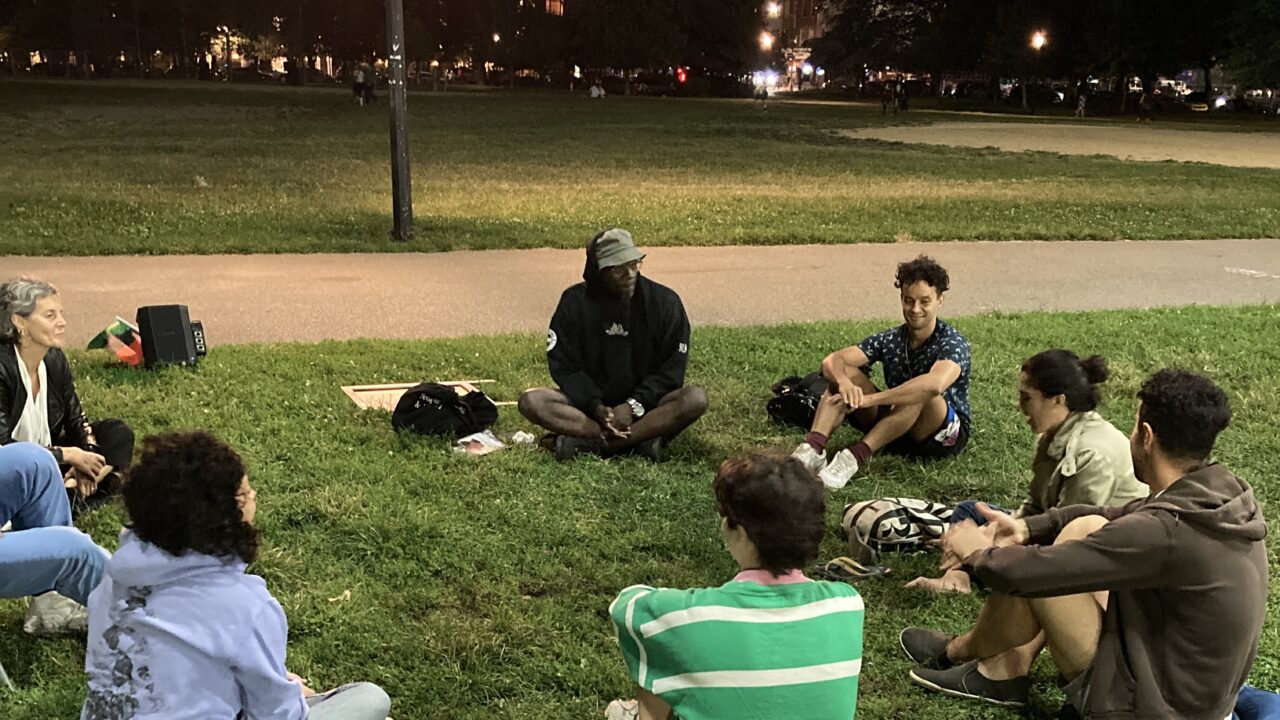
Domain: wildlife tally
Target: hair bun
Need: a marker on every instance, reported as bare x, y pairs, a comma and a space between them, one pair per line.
1095, 369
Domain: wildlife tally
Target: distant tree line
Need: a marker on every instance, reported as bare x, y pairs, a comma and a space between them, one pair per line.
718, 35
1115, 38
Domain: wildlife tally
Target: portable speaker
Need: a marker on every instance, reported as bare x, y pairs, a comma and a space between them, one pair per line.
168, 336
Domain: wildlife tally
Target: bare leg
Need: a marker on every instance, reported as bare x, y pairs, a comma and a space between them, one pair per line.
1014, 663
652, 707
918, 420
1004, 623
1071, 623
831, 411
552, 410
676, 411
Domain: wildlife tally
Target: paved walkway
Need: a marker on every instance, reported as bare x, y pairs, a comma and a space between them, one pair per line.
1130, 141
268, 298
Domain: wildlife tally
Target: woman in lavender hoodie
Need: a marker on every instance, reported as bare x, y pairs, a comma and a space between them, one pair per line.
177, 629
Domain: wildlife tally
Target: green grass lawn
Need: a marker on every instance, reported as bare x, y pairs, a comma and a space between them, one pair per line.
477, 587
155, 168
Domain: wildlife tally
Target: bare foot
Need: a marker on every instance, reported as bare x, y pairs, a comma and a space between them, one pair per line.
949, 583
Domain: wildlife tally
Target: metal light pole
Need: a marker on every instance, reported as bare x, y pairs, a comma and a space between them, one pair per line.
401, 184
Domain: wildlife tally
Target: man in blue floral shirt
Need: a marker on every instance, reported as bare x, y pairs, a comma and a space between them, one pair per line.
924, 412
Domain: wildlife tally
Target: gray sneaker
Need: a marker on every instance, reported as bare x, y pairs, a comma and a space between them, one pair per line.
927, 648
965, 681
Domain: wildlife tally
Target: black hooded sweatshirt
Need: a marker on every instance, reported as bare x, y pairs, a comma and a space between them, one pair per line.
604, 350
1187, 575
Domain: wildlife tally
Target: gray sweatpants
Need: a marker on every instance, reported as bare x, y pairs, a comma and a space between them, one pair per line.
356, 701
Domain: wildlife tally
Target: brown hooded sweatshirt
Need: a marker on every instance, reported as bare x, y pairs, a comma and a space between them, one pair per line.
1187, 571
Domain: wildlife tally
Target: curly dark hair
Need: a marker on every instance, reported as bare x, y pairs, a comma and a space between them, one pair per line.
1186, 411
779, 504
1062, 372
922, 268
181, 497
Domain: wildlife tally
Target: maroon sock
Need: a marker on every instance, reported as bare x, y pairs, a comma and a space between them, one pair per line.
817, 440
861, 452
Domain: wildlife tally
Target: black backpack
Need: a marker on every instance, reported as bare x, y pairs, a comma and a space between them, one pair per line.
795, 399
435, 409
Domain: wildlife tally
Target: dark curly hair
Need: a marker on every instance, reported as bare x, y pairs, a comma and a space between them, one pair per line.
779, 504
1186, 411
922, 268
1062, 372
181, 497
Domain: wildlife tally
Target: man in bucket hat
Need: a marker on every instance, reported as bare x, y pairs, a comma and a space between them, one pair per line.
617, 348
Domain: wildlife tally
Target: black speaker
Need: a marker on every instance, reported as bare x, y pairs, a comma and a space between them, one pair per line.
169, 336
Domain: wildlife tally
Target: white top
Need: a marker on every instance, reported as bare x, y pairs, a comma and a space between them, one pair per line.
33, 424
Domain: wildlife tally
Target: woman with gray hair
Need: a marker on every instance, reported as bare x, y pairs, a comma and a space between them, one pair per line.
38, 401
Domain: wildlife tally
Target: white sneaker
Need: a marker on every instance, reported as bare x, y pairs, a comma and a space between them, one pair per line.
840, 470
622, 710
53, 614
812, 459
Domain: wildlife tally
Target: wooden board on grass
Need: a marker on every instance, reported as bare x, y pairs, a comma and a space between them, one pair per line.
385, 397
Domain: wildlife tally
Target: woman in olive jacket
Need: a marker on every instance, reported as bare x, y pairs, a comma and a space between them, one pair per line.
38, 401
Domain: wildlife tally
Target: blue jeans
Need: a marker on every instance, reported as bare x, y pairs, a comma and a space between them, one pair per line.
42, 551
968, 510
1255, 704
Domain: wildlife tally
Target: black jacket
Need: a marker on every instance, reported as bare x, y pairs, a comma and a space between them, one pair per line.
67, 423
601, 350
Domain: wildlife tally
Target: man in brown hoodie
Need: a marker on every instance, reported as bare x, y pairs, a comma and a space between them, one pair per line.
1151, 610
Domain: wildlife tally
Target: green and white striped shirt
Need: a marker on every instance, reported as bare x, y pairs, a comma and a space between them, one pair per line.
757, 647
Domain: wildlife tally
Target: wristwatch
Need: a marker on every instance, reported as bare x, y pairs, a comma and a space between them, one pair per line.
637, 410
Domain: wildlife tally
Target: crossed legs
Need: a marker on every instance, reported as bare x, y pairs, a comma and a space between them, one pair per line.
1069, 625
676, 411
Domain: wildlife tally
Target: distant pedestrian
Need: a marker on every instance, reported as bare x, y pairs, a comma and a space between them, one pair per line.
900, 92
1144, 107
362, 79
597, 90
886, 99
1082, 97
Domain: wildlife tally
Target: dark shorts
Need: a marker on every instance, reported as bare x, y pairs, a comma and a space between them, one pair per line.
1077, 691
947, 441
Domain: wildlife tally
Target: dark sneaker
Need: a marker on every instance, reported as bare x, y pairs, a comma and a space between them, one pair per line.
965, 681
651, 449
568, 448
926, 648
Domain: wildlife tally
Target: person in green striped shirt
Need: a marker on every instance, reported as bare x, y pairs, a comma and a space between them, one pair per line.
770, 643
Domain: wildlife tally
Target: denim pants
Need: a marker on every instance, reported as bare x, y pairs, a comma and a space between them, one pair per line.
42, 551
1255, 704
356, 701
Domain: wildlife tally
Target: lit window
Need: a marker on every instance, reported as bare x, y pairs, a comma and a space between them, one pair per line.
555, 7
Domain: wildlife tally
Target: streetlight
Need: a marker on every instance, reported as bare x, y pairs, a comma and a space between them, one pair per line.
766, 41
773, 9
497, 38
1039, 39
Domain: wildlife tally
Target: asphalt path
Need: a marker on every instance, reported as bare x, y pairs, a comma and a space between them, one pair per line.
278, 298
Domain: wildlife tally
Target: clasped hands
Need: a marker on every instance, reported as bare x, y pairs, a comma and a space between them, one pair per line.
615, 423
86, 468
965, 538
